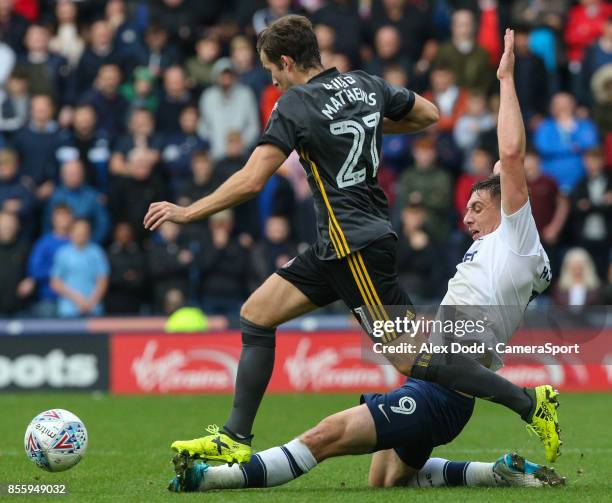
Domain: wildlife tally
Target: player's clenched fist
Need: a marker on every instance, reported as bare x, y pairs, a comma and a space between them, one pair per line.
164, 212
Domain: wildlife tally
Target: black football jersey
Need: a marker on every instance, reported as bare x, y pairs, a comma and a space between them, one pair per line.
334, 122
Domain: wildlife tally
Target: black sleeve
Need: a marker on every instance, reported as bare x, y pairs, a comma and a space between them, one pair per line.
284, 128
398, 100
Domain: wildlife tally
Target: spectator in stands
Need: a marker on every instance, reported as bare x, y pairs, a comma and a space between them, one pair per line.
388, 46
584, 25
199, 67
245, 62
531, 77
227, 106
418, 261
204, 179
549, 207
80, 274
157, 54
601, 85
141, 91
561, 140
127, 35
85, 201
131, 195
181, 145
266, 16
168, 263
127, 272
111, 108
13, 256
578, 284
326, 39
42, 146
15, 196
46, 72
225, 267
479, 167
591, 203
235, 155
462, 54
67, 41
174, 97
450, 99
92, 145
413, 20
13, 26
597, 55
14, 103
426, 182
396, 148
275, 249
344, 19
98, 53
473, 123
41, 260
141, 136
7, 62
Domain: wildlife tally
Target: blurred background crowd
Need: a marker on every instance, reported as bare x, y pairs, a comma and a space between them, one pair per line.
107, 106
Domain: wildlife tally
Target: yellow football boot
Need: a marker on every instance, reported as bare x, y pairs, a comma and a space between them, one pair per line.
214, 447
544, 422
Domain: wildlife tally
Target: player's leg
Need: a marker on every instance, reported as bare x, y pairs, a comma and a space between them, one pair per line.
388, 470
293, 290
370, 278
351, 431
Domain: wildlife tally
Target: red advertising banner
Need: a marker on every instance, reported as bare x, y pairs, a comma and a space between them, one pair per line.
305, 362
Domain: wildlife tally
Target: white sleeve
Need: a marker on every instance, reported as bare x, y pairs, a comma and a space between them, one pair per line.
518, 231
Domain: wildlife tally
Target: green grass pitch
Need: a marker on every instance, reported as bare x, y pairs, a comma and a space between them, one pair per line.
129, 457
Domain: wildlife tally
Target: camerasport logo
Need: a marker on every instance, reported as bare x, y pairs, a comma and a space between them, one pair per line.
52, 362
173, 364
335, 367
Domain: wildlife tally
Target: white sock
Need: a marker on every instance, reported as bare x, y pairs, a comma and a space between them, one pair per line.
439, 472
272, 467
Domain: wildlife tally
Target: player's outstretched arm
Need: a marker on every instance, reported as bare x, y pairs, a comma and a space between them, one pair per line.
239, 187
423, 114
510, 134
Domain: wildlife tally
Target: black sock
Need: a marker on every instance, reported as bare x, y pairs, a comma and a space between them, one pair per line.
464, 374
254, 372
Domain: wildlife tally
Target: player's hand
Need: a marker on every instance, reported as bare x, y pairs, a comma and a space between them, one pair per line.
164, 212
506, 64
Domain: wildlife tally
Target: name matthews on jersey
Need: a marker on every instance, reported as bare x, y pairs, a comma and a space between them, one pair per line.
345, 94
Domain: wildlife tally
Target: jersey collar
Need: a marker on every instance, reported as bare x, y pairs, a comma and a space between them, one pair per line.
324, 73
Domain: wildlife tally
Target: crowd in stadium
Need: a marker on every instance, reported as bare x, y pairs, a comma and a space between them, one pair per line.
108, 106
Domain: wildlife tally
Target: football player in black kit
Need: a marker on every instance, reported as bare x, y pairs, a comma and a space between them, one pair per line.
335, 122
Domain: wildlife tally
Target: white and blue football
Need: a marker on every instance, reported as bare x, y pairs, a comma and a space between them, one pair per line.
55, 440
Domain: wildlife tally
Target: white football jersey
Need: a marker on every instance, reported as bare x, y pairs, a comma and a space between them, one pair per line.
507, 267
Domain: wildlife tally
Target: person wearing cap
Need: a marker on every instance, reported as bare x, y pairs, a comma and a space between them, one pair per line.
227, 106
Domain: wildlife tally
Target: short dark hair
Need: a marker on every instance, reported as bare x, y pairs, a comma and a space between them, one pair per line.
291, 36
490, 184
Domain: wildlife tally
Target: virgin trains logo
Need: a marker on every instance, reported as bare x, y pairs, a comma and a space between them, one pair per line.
334, 368
184, 369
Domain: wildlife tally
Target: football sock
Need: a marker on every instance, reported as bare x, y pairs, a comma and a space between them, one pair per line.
438, 472
254, 372
272, 467
462, 373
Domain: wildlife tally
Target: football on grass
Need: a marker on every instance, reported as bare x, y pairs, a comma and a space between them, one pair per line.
55, 440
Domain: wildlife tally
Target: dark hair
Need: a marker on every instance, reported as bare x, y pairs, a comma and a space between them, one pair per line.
62, 207
491, 185
291, 36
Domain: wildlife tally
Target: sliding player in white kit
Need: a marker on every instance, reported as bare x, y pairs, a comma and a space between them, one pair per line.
505, 266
